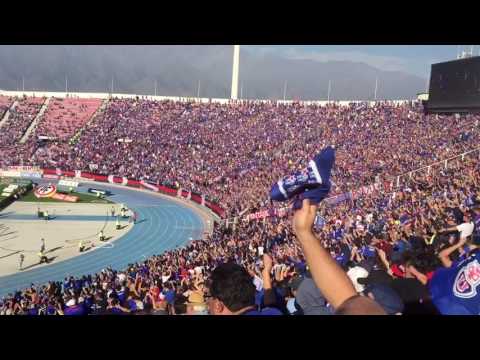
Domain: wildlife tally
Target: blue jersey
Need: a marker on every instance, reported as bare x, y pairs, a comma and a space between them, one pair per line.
456, 290
269, 311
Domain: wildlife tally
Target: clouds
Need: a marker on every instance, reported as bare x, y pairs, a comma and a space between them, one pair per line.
323, 54
176, 70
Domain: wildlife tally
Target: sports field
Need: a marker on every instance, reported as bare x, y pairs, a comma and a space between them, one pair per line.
163, 224
83, 198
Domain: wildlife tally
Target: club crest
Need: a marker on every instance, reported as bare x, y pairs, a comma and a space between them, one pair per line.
467, 281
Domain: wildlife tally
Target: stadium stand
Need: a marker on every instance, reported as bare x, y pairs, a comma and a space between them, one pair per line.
404, 244
64, 117
5, 103
19, 120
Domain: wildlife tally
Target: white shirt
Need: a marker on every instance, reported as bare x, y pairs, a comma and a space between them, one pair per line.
260, 250
465, 229
369, 218
258, 283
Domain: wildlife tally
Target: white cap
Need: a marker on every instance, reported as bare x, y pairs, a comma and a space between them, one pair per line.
354, 274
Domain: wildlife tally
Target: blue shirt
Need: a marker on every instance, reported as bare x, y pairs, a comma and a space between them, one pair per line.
337, 234
75, 310
264, 312
259, 298
51, 310
342, 259
456, 290
121, 296
170, 296
33, 311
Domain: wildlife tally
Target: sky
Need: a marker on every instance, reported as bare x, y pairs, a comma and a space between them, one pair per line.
413, 59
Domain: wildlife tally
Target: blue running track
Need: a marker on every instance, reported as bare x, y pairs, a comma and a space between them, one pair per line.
162, 225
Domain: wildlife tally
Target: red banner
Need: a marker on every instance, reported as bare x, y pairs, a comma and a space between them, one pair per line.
63, 197
196, 198
258, 215
149, 186
133, 183
48, 176
49, 172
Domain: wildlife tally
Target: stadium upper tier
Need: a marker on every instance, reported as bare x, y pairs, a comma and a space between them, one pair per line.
403, 243
234, 151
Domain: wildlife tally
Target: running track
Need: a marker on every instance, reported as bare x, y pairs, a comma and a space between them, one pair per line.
162, 225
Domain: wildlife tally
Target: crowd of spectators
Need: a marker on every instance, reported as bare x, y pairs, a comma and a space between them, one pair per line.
19, 120
405, 249
233, 152
5, 104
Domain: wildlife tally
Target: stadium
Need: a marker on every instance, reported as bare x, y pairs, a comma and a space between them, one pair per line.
115, 203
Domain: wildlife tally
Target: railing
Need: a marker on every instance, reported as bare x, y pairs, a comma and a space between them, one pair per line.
408, 175
391, 184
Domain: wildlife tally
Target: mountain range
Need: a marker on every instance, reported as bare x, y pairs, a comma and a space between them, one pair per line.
179, 70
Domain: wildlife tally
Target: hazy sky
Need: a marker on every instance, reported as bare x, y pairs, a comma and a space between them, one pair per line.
414, 59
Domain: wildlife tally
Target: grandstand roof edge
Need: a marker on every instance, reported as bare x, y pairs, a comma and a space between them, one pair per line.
86, 95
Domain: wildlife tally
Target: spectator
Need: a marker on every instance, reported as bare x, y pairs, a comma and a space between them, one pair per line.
328, 276
454, 288
233, 293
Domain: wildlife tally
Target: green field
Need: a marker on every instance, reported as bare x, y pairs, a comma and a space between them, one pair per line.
83, 198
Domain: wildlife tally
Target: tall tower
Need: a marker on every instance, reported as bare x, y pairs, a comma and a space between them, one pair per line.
235, 71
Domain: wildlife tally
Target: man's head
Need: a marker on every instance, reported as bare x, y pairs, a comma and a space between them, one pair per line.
231, 289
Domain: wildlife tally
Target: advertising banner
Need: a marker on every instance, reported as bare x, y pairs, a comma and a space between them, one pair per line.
63, 197
36, 174
149, 186
25, 168
97, 191
258, 215
49, 176
45, 191
9, 173
68, 183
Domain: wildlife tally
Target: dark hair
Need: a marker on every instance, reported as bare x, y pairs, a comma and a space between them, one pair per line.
232, 285
180, 304
423, 261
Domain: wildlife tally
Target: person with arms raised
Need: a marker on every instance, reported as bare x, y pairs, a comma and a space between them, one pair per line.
329, 277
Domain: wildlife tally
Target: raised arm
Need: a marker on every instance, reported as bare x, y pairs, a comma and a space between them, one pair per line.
329, 277
269, 294
444, 255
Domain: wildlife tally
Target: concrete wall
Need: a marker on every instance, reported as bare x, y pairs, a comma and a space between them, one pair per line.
172, 98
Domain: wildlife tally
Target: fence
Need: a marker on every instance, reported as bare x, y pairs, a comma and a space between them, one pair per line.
404, 178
